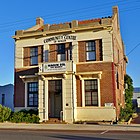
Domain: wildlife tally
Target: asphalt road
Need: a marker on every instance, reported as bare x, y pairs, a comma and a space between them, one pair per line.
67, 135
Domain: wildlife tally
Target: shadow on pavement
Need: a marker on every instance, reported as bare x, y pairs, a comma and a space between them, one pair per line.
70, 137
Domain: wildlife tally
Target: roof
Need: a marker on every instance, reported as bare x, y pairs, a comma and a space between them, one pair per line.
137, 90
41, 29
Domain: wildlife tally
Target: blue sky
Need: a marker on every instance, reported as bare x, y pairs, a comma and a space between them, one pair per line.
21, 14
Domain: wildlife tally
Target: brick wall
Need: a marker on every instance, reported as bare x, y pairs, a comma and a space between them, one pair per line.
19, 86
79, 92
106, 82
53, 53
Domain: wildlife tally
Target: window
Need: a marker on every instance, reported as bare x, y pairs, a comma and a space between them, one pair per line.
61, 55
90, 50
46, 54
3, 99
34, 55
91, 92
33, 94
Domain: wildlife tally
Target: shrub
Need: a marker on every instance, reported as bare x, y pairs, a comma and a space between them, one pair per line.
127, 111
17, 117
25, 117
5, 113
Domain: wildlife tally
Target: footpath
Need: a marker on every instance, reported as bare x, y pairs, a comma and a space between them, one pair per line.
70, 127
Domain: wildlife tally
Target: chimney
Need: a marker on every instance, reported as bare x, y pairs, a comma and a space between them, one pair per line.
39, 21
115, 10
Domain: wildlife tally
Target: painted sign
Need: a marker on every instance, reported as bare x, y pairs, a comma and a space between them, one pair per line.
54, 67
59, 39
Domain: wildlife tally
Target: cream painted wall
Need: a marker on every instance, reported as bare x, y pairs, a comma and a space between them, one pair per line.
68, 99
105, 35
40, 99
96, 114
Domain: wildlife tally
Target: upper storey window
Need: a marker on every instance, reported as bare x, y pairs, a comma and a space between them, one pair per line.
90, 50
61, 53
34, 55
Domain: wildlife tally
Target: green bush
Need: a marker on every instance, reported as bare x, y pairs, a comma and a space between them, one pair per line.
31, 111
5, 113
17, 117
125, 114
127, 111
24, 116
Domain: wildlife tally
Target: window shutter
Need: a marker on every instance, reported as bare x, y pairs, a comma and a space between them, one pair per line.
67, 48
40, 54
82, 51
53, 53
99, 54
26, 59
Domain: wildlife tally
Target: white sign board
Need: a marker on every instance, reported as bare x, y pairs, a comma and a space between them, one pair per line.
54, 67
109, 104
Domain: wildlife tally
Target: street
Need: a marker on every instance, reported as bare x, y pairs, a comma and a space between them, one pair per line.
67, 135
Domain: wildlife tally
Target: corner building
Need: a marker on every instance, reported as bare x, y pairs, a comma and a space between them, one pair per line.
73, 71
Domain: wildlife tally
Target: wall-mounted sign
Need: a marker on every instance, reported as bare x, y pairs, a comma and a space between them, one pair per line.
54, 67
59, 39
109, 104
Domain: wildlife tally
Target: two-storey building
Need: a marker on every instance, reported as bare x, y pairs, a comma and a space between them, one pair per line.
73, 71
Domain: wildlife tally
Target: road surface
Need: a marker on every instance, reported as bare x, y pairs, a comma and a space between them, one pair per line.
68, 135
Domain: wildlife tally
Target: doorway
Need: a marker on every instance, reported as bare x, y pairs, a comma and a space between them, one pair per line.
55, 98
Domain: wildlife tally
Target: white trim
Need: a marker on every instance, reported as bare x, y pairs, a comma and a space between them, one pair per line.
26, 93
83, 93
26, 98
63, 98
46, 99
90, 75
74, 97
99, 95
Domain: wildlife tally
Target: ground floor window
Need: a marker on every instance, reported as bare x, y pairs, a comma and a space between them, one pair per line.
91, 92
33, 94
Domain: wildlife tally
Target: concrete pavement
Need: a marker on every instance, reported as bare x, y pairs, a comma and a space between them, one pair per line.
71, 127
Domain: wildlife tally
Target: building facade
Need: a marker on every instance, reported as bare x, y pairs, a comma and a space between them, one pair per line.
136, 97
73, 71
7, 96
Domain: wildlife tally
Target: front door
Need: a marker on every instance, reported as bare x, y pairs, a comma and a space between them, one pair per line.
55, 98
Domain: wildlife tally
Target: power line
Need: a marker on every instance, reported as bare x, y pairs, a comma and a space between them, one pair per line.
51, 16
133, 49
60, 18
65, 12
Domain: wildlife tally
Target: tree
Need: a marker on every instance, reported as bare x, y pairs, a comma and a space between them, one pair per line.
127, 111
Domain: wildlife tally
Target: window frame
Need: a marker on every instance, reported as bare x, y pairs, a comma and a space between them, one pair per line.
83, 91
33, 55
61, 52
32, 90
91, 49
93, 89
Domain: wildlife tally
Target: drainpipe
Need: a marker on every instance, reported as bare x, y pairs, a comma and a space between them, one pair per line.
113, 84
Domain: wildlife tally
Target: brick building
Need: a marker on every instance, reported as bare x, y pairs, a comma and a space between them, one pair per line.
73, 71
